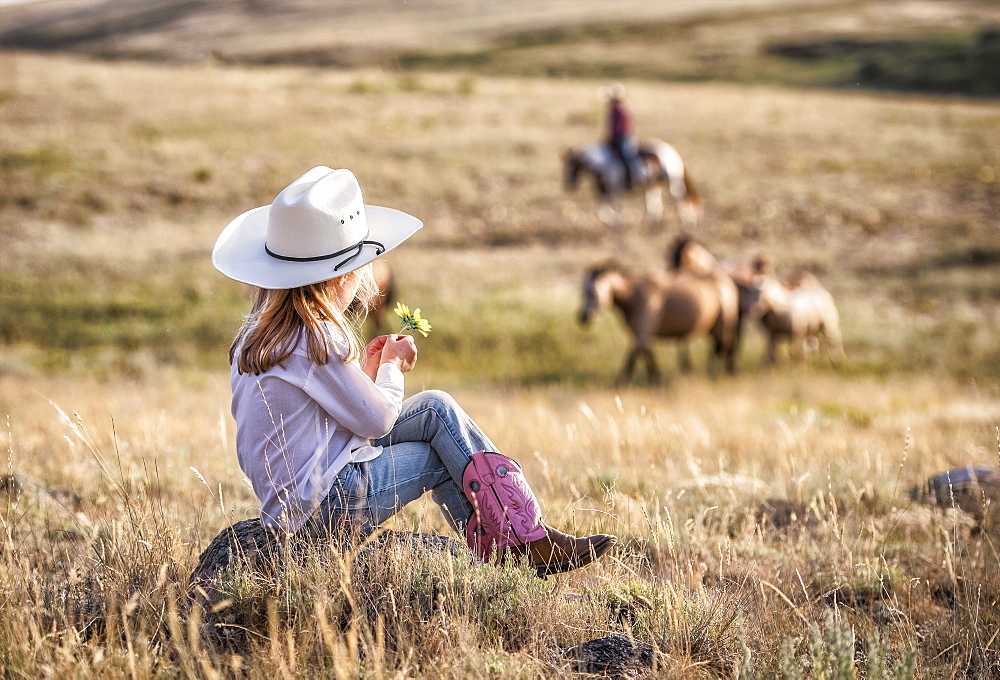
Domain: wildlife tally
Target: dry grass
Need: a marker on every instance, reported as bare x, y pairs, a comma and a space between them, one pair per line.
734, 536
766, 520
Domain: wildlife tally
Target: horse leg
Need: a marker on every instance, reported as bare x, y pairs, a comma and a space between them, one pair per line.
834, 345
797, 347
733, 347
772, 349
618, 204
726, 334
687, 213
625, 376
609, 215
654, 205
652, 369
722, 352
683, 357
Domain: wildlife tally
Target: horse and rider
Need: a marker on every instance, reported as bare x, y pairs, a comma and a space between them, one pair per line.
621, 162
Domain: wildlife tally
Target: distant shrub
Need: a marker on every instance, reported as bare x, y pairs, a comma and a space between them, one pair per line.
360, 86
201, 174
41, 162
409, 83
964, 64
467, 86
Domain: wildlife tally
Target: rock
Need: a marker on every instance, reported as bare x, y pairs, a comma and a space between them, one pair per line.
884, 615
615, 656
779, 513
969, 488
263, 553
10, 484
248, 541
253, 546
18, 486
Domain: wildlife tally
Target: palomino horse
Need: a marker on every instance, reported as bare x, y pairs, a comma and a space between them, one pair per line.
662, 166
688, 254
678, 305
386, 296
798, 309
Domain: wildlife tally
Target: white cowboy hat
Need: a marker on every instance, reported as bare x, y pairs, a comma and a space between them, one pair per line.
318, 228
612, 92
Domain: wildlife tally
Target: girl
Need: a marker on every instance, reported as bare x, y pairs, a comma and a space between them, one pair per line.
323, 431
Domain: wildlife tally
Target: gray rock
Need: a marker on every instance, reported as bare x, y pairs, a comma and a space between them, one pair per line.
251, 545
969, 488
248, 542
263, 553
18, 485
615, 656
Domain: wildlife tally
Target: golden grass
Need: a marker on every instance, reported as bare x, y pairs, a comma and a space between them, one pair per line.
776, 500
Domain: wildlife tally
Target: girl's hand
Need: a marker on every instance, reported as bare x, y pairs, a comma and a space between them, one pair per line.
397, 349
371, 358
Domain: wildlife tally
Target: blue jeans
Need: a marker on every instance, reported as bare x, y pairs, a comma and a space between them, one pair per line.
627, 152
427, 449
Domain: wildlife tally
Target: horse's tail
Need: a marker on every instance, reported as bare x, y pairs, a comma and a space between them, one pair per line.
682, 186
690, 203
691, 193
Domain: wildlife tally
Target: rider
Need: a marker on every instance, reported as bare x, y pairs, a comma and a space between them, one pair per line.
620, 136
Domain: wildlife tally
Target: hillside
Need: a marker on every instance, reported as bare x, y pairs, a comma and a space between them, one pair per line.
923, 45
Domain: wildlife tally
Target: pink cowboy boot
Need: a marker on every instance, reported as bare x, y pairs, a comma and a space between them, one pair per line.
506, 520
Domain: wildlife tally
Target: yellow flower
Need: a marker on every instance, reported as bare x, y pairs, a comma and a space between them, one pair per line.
411, 321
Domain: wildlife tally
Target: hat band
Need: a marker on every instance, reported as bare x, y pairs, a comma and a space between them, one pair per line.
357, 248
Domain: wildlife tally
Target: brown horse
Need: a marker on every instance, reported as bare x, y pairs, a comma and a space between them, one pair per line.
687, 253
387, 295
678, 305
662, 166
798, 309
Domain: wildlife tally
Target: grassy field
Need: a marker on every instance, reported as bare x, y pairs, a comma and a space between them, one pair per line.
893, 202
766, 525
767, 522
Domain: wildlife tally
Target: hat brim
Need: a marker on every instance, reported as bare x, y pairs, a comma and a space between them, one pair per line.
239, 251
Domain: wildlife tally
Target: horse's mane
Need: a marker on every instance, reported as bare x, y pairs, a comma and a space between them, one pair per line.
675, 258
606, 266
763, 263
800, 278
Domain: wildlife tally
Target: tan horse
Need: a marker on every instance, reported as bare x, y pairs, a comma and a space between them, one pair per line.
662, 166
798, 309
677, 305
387, 295
689, 255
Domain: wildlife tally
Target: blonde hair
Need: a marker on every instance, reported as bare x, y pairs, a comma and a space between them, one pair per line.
270, 331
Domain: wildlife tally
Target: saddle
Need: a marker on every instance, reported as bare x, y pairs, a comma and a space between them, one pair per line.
633, 165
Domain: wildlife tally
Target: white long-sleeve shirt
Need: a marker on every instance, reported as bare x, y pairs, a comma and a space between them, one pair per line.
299, 424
